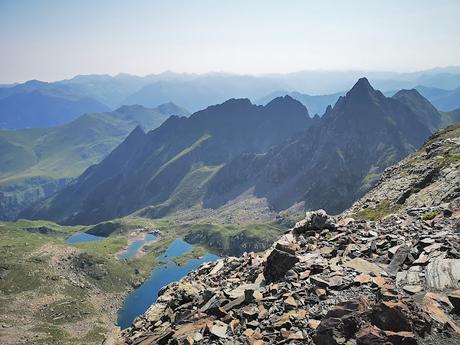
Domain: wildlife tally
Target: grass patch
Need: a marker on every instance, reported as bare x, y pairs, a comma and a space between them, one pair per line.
196, 253
428, 215
95, 335
108, 246
121, 226
52, 334
18, 271
376, 213
444, 161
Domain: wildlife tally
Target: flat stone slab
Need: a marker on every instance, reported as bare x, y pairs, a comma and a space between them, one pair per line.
363, 266
443, 274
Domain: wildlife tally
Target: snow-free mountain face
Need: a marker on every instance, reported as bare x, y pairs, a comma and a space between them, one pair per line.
39, 110
169, 167
332, 163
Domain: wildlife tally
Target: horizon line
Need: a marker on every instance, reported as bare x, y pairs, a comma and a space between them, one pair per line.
265, 74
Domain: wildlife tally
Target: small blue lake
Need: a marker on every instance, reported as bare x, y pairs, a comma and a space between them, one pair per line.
83, 237
135, 246
138, 301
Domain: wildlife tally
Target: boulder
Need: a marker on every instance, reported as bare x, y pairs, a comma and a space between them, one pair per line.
278, 263
398, 259
315, 221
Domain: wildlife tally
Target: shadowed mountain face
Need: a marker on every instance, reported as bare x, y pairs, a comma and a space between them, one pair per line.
38, 110
182, 154
421, 107
334, 162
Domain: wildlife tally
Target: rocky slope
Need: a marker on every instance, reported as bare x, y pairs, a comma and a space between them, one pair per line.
335, 280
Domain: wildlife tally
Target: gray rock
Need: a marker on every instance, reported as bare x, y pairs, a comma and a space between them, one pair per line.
278, 263
315, 220
398, 259
443, 274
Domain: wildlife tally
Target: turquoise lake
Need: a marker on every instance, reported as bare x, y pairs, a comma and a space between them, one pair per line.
139, 300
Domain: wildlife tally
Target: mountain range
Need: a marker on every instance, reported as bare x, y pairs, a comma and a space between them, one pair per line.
173, 162
236, 152
332, 163
443, 100
35, 163
42, 104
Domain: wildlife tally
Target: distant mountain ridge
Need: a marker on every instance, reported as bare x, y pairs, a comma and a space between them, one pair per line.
38, 110
443, 100
196, 91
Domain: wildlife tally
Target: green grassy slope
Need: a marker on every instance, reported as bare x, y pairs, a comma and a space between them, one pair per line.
36, 162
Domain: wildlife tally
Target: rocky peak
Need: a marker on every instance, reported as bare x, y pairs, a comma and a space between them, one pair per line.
286, 103
237, 103
361, 88
135, 134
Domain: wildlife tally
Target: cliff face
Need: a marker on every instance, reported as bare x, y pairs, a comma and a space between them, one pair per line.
388, 275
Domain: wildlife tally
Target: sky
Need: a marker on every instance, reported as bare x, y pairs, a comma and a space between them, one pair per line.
54, 39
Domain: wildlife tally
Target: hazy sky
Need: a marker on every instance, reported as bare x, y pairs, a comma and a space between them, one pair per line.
55, 39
